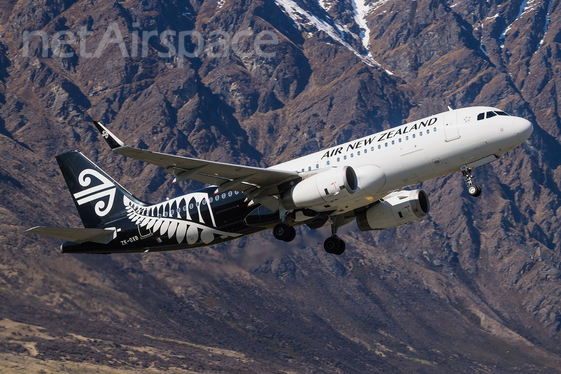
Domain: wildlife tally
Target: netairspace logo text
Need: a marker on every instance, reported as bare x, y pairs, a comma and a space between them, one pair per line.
218, 43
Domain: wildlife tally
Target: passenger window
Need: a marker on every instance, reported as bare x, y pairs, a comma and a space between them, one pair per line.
491, 114
358, 153
480, 116
302, 170
317, 166
386, 144
400, 140
204, 202
338, 159
428, 131
393, 142
407, 137
372, 149
413, 136
434, 129
379, 146
210, 199
328, 163
344, 157
309, 168
421, 133
352, 155
230, 194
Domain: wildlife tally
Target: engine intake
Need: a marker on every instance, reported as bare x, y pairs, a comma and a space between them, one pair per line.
321, 188
396, 209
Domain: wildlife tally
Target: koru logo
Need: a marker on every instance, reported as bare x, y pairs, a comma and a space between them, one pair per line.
97, 192
105, 134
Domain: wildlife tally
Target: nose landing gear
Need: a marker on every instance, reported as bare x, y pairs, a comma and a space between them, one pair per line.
473, 189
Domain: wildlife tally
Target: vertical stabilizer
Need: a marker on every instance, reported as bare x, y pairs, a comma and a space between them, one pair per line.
98, 198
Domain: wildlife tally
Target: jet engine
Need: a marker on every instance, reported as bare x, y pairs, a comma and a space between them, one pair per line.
396, 209
321, 188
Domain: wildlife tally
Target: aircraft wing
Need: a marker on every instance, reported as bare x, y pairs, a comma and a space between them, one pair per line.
252, 180
76, 235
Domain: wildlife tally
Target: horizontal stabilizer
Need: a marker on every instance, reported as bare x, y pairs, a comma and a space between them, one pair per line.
76, 235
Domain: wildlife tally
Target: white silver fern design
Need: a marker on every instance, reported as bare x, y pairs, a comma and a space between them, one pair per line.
176, 222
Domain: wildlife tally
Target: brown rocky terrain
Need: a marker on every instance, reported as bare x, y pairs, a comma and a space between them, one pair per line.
473, 288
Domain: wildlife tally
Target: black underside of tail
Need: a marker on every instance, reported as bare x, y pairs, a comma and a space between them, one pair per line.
98, 198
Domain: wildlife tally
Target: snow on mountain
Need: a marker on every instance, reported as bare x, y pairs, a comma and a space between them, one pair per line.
361, 10
309, 22
524, 8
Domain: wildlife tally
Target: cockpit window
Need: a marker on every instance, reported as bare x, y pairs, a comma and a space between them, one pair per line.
481, 116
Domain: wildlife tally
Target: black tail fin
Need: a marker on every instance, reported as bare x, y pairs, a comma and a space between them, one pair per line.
98, 198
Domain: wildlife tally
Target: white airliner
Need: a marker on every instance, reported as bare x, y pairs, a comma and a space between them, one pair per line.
361, 180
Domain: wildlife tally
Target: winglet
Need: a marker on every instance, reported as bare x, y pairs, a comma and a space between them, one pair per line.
111, 139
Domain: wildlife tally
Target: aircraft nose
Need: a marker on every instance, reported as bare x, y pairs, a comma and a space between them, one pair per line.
524, 129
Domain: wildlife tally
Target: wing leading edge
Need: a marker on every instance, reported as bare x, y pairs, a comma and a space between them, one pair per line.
250, 180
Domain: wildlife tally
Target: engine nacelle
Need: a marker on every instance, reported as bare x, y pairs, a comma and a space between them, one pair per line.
396, 209
321, 188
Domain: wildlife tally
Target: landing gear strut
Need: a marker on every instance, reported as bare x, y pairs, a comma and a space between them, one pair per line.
284, 232
473, 189
334, 244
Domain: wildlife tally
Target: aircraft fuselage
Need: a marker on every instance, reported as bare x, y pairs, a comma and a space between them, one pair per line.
384, 162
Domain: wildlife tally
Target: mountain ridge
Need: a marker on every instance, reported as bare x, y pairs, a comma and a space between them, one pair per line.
474, 286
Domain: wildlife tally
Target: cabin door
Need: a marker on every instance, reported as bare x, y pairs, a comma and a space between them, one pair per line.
451, 131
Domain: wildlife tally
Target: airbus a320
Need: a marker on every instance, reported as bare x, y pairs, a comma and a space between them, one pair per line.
361, 180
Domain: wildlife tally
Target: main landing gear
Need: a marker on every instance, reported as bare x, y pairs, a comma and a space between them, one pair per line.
284, 232
333, 244
473, 189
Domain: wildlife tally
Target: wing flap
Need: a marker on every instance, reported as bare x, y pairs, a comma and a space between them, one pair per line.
76, 235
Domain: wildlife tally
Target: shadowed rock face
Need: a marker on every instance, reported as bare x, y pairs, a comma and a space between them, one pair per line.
474, 287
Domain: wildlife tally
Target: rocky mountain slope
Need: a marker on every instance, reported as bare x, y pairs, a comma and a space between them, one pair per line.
474, 287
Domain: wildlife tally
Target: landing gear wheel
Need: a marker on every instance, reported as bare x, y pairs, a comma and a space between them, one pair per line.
282, 231
342, 247
334, 245
292, 235
474, 190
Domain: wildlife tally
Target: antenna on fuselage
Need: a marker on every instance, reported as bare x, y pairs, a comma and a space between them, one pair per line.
450, 109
